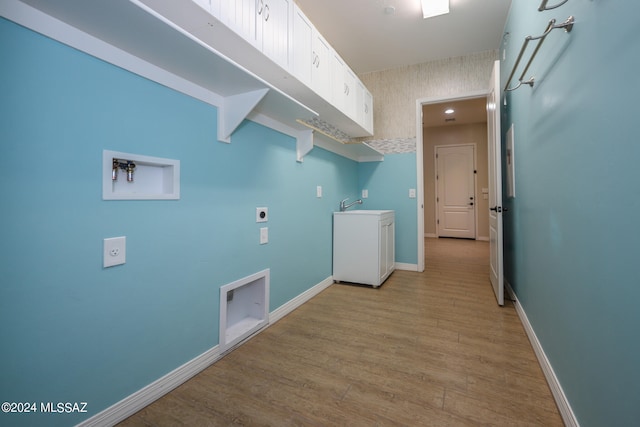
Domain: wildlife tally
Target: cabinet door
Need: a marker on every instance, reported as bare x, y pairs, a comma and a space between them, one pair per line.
387, 248
350, 94
364, 103
303, 55
368, 111
215, 7
272, 29
338, 84
321, 71
240, 16
383, 245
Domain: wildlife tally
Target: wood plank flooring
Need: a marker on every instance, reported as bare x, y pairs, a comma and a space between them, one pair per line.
424, 349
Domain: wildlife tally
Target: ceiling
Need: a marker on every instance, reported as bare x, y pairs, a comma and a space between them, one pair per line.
369, 39
466, 111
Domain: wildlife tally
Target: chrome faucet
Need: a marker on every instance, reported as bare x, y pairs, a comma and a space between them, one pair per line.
344, 206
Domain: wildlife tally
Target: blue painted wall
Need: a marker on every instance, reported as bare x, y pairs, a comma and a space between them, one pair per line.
388, 183
572, 232
72, 331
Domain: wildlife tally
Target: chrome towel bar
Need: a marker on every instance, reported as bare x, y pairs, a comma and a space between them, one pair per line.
567, 25
543, 5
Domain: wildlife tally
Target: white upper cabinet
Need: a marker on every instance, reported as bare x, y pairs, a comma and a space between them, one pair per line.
310, 55
338, 83
274, 40
215, 6
302, 57
350, 93
364, 106
211, 6
240, 16
320, 72
272, 29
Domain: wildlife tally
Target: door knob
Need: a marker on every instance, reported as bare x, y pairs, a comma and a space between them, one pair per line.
496, 209
471, 204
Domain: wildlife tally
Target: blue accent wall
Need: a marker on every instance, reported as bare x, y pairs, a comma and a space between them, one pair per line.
572, 232
72, 331
388, 184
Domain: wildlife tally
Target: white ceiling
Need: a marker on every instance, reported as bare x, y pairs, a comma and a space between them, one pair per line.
369, 40
465, 112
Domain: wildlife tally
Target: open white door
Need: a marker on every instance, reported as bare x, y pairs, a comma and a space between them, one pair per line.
495, 184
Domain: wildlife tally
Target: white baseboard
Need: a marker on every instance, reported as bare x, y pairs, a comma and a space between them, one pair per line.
296, 302
483, 238
564, 407
407, 267
430, 235
154, 391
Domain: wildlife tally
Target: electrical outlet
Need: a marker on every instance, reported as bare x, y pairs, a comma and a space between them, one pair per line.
412, 193
262, 214
365, 194
114, 251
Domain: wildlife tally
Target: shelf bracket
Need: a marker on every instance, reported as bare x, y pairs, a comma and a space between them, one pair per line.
234, 110
304, 144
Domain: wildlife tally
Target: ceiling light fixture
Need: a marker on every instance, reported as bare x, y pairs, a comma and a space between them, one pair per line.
432, 8
449, 111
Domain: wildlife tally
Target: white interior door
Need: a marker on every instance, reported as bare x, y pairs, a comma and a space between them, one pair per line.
495, 184
455, 191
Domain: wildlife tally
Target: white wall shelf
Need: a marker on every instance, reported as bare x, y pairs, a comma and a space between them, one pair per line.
154, 178
178, 44
244, 308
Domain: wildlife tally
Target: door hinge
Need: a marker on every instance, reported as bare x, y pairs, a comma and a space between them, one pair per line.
438, 222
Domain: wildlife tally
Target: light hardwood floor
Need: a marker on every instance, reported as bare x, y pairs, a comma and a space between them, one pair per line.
424, 349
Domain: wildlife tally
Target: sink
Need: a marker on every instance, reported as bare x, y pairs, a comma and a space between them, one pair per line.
363, 212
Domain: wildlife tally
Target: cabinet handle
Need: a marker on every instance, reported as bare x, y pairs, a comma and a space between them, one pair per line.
260, 7
266, 12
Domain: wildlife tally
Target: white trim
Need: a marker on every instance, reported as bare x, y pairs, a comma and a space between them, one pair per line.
420, 160
51, 27
483, 238
564, 407
430, 235
406, 267
296, 302
154, 391
145, 396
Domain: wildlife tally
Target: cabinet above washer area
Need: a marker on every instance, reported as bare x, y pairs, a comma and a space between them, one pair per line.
241, 55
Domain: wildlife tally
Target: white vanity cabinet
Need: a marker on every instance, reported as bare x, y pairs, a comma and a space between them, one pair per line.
363, 246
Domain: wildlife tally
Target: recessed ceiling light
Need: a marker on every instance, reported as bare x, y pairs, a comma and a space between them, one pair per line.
432, 8
389, 10
449, 111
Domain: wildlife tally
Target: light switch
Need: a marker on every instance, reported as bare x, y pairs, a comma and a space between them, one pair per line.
264, 235
412, 193
365, 194
114, 251
319, 191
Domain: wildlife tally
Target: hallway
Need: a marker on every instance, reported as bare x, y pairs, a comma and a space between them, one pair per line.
428, 348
